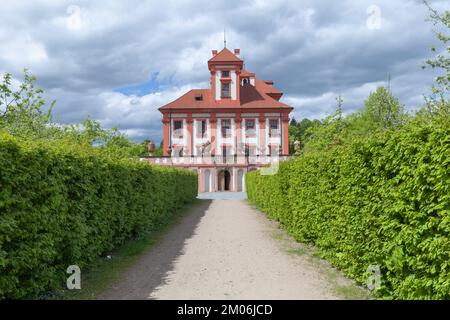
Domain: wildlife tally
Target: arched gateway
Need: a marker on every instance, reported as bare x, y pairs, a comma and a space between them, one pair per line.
224, 180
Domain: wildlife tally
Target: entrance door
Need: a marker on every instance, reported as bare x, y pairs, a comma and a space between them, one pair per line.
224, 180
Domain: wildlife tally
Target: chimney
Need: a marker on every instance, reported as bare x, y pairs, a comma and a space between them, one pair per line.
237, 52
214, 52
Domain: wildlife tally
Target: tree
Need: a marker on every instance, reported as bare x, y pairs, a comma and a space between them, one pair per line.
293, 122
294, 134
442, 59
323, 135
21, 110
298, 131
438, 102
382, 109
159, 150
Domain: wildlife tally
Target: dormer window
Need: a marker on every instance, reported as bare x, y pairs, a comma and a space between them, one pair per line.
225, 74
199, 98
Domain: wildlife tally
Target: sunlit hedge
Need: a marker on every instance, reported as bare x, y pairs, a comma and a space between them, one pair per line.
62, 205
382, 201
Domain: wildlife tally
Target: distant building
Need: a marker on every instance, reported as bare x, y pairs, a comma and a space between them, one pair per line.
237, 125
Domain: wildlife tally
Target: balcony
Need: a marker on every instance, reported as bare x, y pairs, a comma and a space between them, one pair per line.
241, 160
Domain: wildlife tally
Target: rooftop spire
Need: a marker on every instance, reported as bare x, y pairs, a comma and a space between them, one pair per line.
224, 38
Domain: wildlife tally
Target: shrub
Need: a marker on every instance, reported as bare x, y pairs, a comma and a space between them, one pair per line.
382, 200
66, 204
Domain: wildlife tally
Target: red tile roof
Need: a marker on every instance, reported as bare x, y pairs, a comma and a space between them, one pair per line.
225, 56
245, 73
267, 87
250, 97
264, 86
258, 96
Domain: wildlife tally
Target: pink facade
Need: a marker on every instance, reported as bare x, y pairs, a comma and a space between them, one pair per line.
222, 132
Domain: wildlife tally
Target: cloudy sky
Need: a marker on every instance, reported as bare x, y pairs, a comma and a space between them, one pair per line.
119, 61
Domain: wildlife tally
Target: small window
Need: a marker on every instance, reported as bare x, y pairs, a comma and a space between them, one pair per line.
225, 90
199, 98
273, 124
225, 74
178, 124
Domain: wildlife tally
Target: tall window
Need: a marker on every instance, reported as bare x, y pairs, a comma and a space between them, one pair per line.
178, 128
201, 129
226, 132
225, 90
273, 125
250, 128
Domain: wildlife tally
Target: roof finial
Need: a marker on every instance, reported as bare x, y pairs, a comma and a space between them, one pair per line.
224, 38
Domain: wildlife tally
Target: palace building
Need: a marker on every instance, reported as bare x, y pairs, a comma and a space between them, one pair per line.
235, 126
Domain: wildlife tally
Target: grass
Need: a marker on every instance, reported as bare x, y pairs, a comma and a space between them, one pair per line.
104, 272
347, 290
296, 251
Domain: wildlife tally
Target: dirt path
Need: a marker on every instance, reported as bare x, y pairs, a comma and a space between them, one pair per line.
225, 249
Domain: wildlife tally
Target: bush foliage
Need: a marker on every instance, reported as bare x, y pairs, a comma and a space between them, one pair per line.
379, 200
64, 204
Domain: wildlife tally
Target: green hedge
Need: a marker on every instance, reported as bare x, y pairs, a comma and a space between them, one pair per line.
62, 205
383, 201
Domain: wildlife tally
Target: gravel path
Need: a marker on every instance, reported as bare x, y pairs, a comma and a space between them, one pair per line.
225, 249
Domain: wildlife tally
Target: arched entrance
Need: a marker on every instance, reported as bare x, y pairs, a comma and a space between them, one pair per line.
224, 180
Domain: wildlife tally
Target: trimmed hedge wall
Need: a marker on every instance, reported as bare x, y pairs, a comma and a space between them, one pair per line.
383, 201
64, 205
